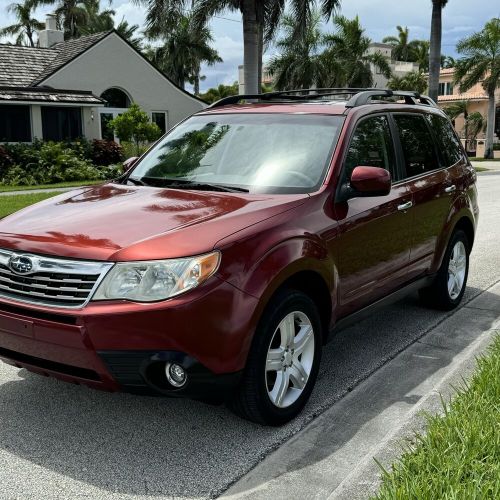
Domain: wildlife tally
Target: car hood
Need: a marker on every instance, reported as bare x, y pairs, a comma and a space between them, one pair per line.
116, 222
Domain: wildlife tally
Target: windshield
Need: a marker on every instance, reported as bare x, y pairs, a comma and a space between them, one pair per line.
276, 153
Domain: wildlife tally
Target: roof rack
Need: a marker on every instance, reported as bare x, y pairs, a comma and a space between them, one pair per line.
357, 96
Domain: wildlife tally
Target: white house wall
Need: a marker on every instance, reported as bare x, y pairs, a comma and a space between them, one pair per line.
113, 63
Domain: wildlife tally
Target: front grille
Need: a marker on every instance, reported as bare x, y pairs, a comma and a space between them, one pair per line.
51, 281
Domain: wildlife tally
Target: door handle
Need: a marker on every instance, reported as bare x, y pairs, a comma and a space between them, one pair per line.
405, 206
450, 189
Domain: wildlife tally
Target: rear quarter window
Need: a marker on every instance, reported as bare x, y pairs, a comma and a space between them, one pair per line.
448, 142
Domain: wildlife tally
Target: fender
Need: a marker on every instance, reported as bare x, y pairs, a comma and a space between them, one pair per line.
460, 209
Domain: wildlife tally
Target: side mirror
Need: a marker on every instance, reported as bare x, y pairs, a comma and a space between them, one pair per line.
371, 181
128, 164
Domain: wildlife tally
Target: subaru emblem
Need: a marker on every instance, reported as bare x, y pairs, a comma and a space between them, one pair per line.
21, 264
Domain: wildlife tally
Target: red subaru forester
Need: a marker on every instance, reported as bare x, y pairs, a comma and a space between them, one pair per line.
218, 266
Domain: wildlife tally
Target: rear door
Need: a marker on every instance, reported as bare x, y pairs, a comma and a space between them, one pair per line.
430, 185
373, 247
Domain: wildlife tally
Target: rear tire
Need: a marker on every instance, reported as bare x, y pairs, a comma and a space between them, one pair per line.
448, 288
283, 362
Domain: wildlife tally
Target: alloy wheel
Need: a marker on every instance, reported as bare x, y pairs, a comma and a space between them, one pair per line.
456, 270
290, 359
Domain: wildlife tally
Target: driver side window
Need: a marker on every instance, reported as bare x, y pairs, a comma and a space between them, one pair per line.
371, 146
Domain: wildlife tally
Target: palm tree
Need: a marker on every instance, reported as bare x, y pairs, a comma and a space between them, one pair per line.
348, 47
435, 47
457, 109
421, 54
448, 62
25, 26
72, 15
300, 63
184, 48
481, 63
403, 49
259, 17
414, 81
99, 21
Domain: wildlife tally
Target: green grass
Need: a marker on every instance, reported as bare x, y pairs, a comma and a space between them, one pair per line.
459, 456
481, 169
12, 203
472, 158
49, 186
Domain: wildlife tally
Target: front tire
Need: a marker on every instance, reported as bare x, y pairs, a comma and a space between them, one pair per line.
283, 362
448, 288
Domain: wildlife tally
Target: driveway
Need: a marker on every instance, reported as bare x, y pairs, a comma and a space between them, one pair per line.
63, 441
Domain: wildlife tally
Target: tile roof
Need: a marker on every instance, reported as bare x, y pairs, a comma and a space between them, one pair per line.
47, 94
29, 66
19, 66
463, 97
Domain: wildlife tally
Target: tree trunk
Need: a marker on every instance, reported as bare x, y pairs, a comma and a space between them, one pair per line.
29, 34
490, 125
197, 80
261, 53
466, 131
250, 46
435, 50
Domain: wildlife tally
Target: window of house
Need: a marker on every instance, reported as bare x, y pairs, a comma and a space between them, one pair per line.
116, 98
417, 144
61, 123
159, 117
15, 123
449, 145
445, 88
371, 146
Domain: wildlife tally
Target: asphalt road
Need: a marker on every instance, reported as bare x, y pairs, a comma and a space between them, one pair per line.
64, 441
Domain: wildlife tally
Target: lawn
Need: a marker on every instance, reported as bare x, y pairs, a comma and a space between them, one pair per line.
459, 457
12, 203
49, 186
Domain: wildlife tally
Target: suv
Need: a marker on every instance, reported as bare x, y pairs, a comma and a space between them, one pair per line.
218, 266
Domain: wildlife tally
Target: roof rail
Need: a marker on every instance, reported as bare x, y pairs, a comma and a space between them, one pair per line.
358, 96
409, 97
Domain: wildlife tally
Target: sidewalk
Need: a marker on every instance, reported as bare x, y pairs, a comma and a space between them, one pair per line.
333, 456
490, 165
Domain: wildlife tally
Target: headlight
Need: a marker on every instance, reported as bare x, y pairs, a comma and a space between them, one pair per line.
149, 281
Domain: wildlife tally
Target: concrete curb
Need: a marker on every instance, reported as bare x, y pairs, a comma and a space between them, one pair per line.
333, 456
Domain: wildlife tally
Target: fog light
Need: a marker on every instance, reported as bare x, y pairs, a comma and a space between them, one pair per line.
176, 375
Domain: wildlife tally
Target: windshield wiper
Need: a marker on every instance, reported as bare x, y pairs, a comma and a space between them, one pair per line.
137, 182
186, 184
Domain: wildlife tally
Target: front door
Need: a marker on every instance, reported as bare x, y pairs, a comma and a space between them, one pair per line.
373, 247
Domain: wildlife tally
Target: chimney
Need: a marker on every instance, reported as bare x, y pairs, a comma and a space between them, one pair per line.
50, 35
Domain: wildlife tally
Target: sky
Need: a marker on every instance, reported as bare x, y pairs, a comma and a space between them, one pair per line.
378, 17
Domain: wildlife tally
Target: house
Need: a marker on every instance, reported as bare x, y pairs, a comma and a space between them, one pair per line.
63, 90
267, 79
398, 68
476, 97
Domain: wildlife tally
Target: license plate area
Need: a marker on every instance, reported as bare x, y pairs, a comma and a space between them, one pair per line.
21, 327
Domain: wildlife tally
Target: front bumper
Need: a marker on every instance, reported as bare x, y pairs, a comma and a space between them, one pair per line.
122, 346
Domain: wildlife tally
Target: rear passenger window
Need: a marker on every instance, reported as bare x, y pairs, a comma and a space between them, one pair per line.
449, 143
418, 146
371, 146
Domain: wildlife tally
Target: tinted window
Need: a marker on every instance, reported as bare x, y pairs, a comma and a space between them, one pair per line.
61, 124
449, 143
15, 124
371, 146
260, 152
418, 146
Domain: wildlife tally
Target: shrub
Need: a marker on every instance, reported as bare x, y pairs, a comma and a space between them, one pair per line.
6, 160
105, 153
134, 126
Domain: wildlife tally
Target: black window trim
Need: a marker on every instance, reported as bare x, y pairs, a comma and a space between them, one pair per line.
342, 177
402, 158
